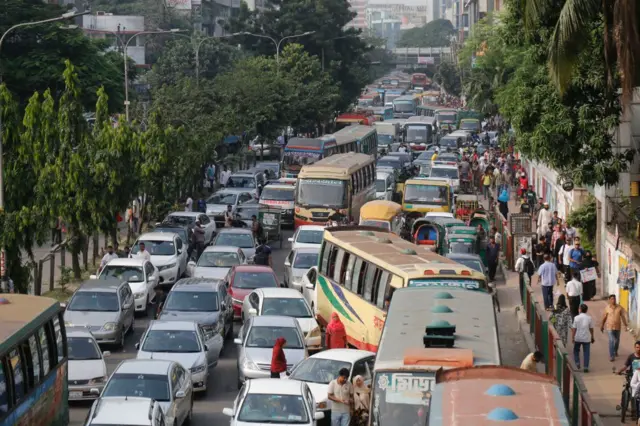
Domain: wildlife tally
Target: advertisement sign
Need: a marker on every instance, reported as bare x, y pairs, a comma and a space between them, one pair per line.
426, 60
179, 4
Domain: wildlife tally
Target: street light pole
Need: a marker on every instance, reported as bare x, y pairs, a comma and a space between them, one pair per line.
64, 16
277, 43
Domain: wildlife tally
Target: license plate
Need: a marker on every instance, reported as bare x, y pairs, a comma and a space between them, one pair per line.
75, 395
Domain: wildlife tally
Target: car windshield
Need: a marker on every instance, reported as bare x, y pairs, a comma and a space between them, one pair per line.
94, 301
265, 337
218, 259
192, 301
223, 199
432, 194
154, 386
245, 213
322, 193
278, 194
425, 155
446, 117
288, 307
305, 260
381, 185
178, 219
445, 172
294, 160
83, 348
377, 223
447, 157
156, 248
235, 239
394, 403
310, 237
180, 341
254, 280
180, 231
384, 139
269, 408
318, 370
132, 274
476, 265
241, 182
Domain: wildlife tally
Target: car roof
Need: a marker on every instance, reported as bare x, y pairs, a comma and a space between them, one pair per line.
465, 256
274, 321
310, 228
107, 286
275, 386
221, 249
185, 214
196, 284
246, 173
144, 366
158, 236
279, 293
172, 325
444, 166
234, 191
108, 408
350, 355
307, 249
252, 268
127, 261
235, 231
78, 331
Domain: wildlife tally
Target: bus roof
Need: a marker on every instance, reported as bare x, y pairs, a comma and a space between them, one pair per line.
22, 315
420, 119
309, 143
485, 395
427, 181
351, 133
413, 309
404, 98
338, 166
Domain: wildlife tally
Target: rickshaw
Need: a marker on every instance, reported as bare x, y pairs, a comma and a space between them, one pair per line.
382, 214
425, 232
270, 218
466, 205
447, 223
461, 244
480, 217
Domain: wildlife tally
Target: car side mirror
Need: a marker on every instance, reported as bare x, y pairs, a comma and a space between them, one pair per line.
158, 224
180, 394
290, 240
287, 263
318, 415
237, 341
227, 412
137, 345
310, 286
63, 305
253, 311
192, 263
93, 277
152, 277
126, 306
106, 354
179, 251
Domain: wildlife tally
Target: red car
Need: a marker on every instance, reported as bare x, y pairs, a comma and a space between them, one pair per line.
243, 279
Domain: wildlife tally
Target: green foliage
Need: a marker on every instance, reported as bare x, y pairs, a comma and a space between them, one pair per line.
48, 46
585, 219
434, 34
448, 76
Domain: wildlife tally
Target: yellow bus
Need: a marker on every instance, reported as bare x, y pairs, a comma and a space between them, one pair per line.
342, 183
359, 268
427, 195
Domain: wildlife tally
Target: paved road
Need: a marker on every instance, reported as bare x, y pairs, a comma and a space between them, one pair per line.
223, 379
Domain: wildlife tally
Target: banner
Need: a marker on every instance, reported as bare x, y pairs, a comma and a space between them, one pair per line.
426, 60
588, 274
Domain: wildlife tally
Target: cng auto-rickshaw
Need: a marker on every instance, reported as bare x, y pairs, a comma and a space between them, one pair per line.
382, 214
480, 217
426, 232
465, 206
461, 244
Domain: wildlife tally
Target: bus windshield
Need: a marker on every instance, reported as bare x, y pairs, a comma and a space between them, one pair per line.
404, 106
447, 117
417, 133
294, 160
426, 194
401, 398
322, 193
469, 125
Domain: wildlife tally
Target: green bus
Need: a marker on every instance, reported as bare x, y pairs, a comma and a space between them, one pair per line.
33, 362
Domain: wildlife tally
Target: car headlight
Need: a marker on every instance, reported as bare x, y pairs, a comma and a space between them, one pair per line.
139, 295
236, 301
297, 279
98, 380
198, 369
109, 326
249, 365
321, 405
165, 267
315, 332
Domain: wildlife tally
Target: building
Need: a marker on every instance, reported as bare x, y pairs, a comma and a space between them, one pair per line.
117, 29
384, 25
224, 10
360, 8
410, 13
256, 4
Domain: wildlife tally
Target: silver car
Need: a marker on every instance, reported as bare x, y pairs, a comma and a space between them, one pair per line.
256, 339
215, 262
237, 237
183, 342
105, 307
297, 263
219, 202
164, 381
87, 370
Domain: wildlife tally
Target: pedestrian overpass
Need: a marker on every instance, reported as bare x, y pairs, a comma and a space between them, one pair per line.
423, 56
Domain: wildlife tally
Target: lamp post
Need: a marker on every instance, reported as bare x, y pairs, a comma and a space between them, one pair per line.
126, 64
277, 43
64, 16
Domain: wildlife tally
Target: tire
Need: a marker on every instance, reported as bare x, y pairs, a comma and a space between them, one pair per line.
624, 405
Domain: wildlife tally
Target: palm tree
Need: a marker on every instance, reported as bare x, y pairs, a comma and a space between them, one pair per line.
572, 32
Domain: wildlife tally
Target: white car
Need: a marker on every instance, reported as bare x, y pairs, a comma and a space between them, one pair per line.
164, 381
308, 283
439, 214
319, 369
141, 275
307, 236
285, 402
216, 261
219, 202
385, 186
297, 264
167, 254
87, 370
285, 302
132, 410
450, 172
188, 219
183, 342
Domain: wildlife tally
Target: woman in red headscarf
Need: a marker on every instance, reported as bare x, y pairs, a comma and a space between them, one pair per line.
278, 360
335, 335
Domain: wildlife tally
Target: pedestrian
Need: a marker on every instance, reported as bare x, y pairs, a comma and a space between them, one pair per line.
555, 219
570, 230
486, 183
574, 292
108, 257
278, 358
557, 246
361, 399
211, 176
612, 320
530, 197
135, 216
188, 205
582, 336
541, 250
143, 253
530, 362
503, 200
524, 266
566, 259
576, 255
548, 238
126, 251
589, 261
492, 256
547, 279
340, 393
56, 232
562, 318
335, 334
256, 228
544, 217
228, 217
224, 176
198, 238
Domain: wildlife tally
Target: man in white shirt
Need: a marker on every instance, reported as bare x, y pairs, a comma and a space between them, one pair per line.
135, 215
143, 253
582, 336
108, 257
340, 393
574, 292
188, 205
224, 176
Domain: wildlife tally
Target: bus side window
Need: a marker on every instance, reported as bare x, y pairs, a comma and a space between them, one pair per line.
45, 348
332, 262
17, 370
337, 266
324, 258
4, 390
348, 281
343, 267
380, 289
357, 281
369, 280
60, 344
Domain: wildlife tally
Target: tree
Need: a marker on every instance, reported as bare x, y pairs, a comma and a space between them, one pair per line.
448, 77
618, 24
436, 33
48, 46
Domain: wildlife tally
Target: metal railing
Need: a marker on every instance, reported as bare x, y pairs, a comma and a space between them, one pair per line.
39, 267
506, 244
558, 362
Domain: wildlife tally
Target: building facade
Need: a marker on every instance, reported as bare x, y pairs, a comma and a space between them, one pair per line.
360, 9
118, 29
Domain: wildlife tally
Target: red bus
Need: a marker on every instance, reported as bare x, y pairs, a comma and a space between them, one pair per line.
419, 80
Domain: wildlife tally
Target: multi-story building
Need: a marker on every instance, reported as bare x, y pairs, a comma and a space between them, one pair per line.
117, 29
384, 25
360, 8
256, 4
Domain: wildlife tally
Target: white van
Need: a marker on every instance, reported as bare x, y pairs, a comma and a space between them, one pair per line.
385, 185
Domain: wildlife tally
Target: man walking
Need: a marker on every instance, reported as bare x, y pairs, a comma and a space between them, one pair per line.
211, 176
198, 239
612, 320
574, 292
340, 394
582, 336
547, 278
493, 256
108, 257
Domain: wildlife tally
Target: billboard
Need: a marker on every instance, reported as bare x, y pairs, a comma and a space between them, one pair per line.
426, 60
179, 4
